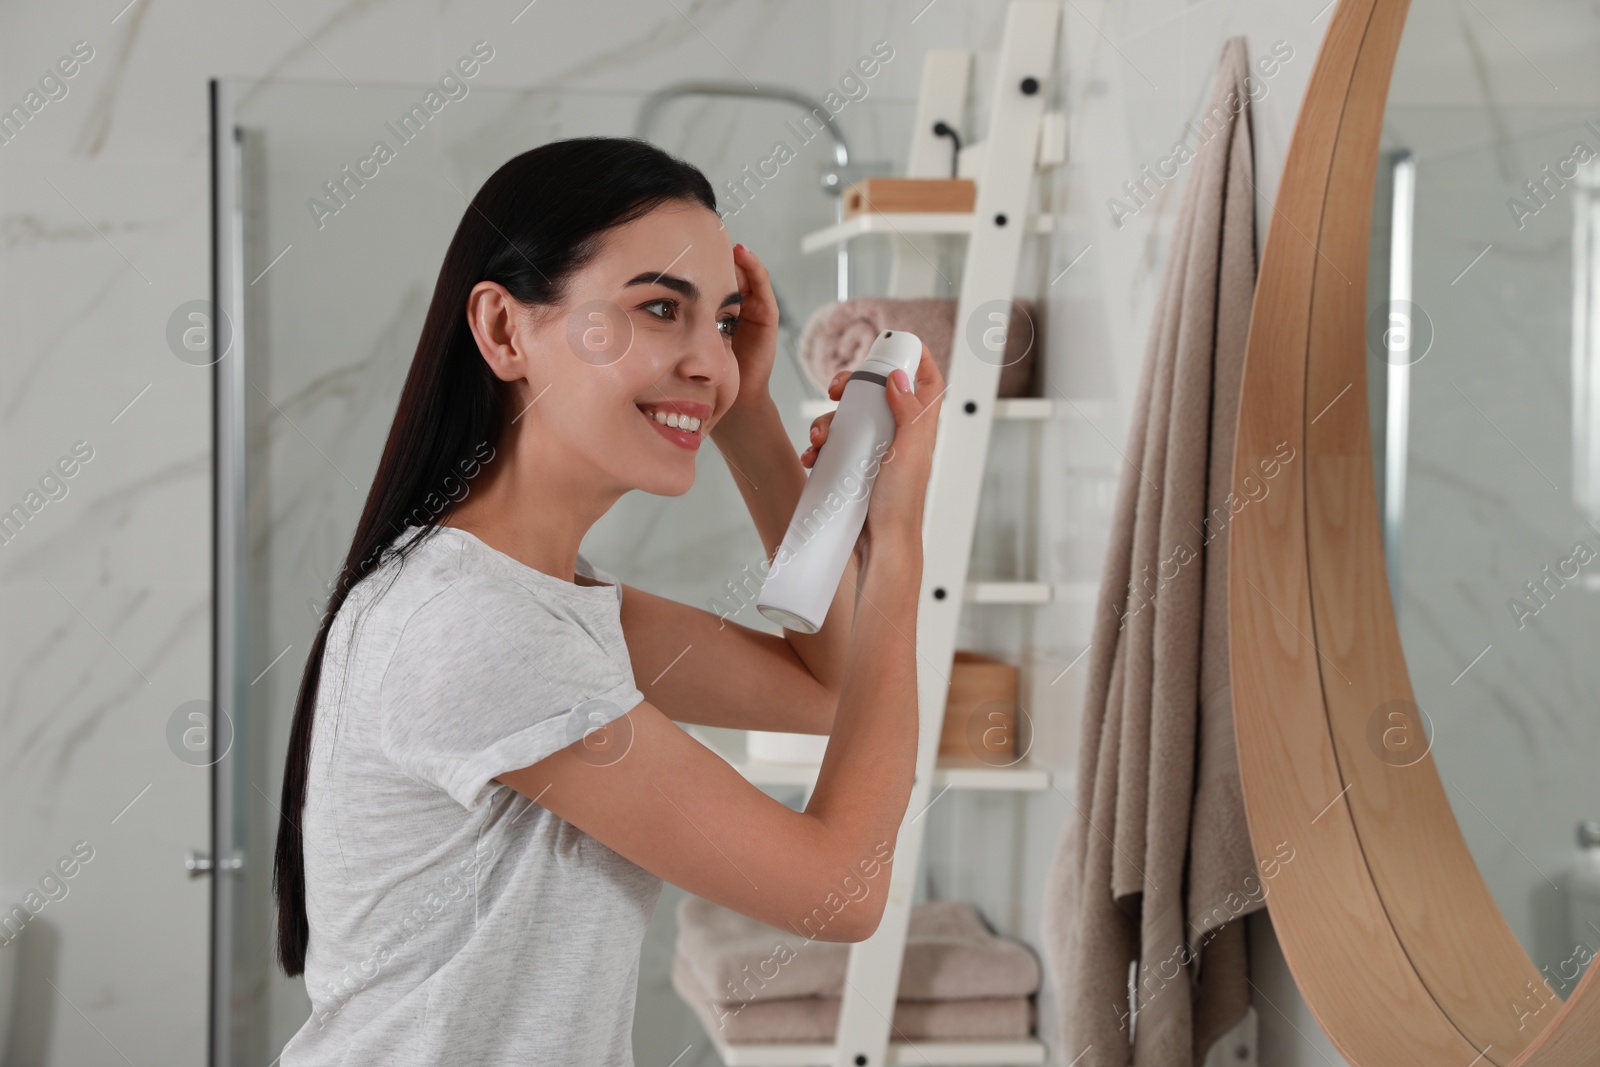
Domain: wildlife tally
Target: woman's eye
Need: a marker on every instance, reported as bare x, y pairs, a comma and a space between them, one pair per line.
670, 305
729, 325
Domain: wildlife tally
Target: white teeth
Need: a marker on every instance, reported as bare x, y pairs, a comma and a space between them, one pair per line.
687, 423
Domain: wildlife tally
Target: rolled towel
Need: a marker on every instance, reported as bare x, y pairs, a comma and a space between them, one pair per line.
838, 336
807, 1020
950, 955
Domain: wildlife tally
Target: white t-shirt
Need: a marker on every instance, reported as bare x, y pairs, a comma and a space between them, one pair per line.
453, 920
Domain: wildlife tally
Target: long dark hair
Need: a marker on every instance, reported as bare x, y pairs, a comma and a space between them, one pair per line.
539, 218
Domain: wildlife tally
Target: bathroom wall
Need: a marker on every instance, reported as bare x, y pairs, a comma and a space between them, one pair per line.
104, 235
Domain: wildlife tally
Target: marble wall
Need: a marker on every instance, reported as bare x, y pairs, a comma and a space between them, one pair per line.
104, 235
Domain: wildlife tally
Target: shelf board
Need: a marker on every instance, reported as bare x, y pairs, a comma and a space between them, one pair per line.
955, 772
1015, 407
1009, 593
1032, 592
904, 222
936, 1053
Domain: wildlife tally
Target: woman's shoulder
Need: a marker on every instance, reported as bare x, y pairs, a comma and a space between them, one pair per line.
446, 574
447, 588
417, 577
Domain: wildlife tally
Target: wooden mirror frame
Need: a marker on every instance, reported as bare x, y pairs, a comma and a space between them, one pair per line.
1394, 940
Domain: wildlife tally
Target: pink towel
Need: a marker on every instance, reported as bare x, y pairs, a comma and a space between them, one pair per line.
838, 336
950, 955
815, 1020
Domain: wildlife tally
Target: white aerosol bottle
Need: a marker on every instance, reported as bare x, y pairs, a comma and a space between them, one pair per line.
805, 573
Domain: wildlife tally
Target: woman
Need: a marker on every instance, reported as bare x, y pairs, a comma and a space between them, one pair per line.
484, 787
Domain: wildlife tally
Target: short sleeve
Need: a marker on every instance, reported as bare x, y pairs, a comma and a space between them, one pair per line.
488, 678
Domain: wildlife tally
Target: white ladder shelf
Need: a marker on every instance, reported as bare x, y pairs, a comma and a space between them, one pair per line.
1002, 216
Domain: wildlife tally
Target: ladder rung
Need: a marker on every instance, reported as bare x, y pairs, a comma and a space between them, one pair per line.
1008, 592
969, 773
1015, 407
1031, 592
937, 1053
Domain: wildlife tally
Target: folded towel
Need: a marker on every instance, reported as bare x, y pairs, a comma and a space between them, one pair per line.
950, 955
838, 336
816, 1019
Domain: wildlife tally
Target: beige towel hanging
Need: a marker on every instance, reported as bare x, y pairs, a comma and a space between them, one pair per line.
1154, 866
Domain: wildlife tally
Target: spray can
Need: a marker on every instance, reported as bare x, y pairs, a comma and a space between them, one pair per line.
805, 573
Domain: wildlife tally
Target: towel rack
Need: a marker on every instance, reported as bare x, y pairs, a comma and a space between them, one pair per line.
1022, 136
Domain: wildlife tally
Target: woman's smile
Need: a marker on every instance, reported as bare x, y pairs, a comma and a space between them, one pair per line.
680, 421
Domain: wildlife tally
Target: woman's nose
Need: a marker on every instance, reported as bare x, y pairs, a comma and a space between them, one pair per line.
710, 359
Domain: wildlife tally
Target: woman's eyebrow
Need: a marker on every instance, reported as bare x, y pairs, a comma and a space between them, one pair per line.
679, 285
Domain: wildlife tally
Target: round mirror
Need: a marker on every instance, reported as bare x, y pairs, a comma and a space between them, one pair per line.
1421, 343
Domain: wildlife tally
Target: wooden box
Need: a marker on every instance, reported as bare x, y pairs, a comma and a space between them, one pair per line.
980, 714
889, 195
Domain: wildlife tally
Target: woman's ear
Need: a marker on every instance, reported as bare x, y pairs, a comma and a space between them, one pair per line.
493, 315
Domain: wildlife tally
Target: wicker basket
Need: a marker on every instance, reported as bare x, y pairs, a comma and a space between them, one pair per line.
980, 714
980, 720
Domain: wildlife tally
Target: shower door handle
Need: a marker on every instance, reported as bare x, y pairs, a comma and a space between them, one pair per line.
198, 863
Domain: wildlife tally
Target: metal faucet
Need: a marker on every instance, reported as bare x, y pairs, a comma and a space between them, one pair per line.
833, 181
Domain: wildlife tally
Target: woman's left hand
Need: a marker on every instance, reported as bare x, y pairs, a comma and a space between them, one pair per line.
755, 344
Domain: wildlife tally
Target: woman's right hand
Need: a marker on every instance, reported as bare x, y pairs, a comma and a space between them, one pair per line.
894, 513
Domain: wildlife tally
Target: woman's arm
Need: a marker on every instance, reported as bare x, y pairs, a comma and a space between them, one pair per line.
698, 667
656, 795
680, 811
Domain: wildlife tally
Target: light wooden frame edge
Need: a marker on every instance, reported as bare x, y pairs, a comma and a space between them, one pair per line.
1386, 925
